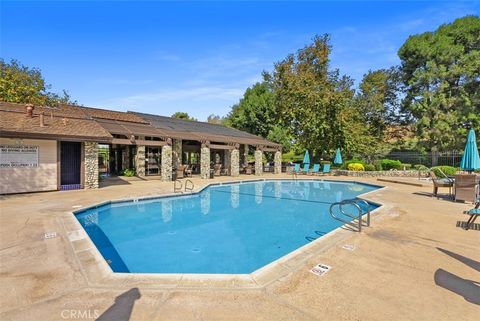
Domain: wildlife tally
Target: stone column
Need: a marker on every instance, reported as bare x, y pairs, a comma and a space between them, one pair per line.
205, 160
91, 165
245, 154
140, 161
167, 162
277, 162
177, 153
258, 162
235, 162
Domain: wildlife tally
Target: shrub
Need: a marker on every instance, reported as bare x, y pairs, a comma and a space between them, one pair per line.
348, 162
378, 166
388, 164
357, 167
447, 170
420, 167
369, 167
129, 172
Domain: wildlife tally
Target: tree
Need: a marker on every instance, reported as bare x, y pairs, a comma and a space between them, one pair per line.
255, 113
441, 74
378, 100
183, 115
20, 84
314, 101
215, 119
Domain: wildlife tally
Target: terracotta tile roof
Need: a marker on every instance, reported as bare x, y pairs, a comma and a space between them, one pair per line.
15, 123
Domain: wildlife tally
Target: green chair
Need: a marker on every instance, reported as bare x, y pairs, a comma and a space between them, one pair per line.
474, 213
326, 169
296, 169
315, 169
305, 169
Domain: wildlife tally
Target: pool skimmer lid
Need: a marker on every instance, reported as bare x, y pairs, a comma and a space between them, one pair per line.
320, 269
49, 235
349, 247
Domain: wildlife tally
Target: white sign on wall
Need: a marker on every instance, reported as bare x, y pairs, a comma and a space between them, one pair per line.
18, 156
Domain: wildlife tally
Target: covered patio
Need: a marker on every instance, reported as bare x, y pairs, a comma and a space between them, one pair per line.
211, 150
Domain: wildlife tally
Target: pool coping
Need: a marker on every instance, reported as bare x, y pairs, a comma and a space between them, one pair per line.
98, 272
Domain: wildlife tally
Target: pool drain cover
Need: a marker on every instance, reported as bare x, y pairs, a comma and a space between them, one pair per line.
320, 269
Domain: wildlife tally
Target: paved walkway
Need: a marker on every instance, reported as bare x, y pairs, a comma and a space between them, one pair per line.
414, 263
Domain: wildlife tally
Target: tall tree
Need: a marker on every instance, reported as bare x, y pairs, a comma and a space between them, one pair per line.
183, 115
378, 100
21, 84
313, 100
441, 74
255, 113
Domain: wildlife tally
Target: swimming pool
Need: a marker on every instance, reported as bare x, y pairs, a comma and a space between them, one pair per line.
227, 229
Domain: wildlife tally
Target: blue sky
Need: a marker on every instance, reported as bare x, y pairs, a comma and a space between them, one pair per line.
199, 57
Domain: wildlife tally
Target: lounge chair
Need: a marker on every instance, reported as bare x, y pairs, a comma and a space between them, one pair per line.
326, 169
296, 169
441, 182
474, 213
226, 171
315, 169
466, 187
189, 171
181, 171
249, 169
217, 169
305, 168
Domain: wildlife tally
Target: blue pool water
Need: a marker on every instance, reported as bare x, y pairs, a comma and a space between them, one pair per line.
230, 228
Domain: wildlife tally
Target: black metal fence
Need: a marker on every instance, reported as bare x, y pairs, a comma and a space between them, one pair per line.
451, 158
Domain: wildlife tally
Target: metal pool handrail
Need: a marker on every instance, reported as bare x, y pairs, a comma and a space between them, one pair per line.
187, 187
357, 217
177, 186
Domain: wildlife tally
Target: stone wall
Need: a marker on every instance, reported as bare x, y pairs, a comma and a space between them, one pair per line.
235, 162
177, 153
394, 173
258, 162
205, 162
277, 162
167, 163
140, 161
91, 165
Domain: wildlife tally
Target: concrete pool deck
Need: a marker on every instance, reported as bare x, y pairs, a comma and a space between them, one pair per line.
413, 263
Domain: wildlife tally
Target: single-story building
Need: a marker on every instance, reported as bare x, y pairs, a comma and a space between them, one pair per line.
66, 147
